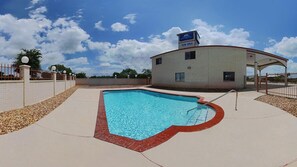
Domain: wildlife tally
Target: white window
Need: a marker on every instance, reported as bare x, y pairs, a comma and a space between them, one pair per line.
180, 77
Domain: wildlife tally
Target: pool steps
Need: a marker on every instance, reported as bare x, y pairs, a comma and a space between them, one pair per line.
190, 121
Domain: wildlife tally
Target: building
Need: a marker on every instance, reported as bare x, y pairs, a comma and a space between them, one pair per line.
208, 67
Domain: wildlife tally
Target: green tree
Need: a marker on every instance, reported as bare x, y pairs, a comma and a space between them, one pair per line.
116, 74
81, 75
147, 72
34, 56
60, 68
128, 71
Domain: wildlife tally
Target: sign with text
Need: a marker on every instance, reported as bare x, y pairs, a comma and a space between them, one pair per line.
186, 36
188, 39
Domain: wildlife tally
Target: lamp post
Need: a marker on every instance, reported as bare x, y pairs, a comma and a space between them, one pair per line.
53, 68
25, 75
24, 59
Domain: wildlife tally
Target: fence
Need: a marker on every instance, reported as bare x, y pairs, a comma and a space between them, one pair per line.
277, 84
26, 90
112, 81
8, 72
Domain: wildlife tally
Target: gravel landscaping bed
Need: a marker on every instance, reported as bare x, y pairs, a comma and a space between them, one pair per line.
286, 104
17, 119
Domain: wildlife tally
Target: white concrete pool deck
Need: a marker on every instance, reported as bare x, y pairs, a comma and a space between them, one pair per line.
257, 135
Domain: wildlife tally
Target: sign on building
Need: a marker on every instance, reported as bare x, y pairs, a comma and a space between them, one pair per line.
188, 39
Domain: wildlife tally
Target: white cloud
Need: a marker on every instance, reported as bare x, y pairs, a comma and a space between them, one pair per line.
286, 47
99, 26
67, 40
4, 60
98, 45
37, 13
211, 35
131, 18
51, 57
105, 64
16, 38
33, 3
119, 27
77, 61
136, 54
64, 23
54, 39
79, 13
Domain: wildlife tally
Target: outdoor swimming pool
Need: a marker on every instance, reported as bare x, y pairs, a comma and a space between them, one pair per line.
140, 114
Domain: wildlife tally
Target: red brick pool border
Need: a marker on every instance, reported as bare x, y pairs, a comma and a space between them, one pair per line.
102, 132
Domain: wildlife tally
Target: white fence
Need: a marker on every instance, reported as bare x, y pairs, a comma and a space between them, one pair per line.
19, 93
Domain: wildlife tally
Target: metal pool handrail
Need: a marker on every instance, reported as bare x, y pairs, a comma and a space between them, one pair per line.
211, 102
219, 98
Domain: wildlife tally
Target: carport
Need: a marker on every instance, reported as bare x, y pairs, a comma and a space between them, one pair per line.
260, 60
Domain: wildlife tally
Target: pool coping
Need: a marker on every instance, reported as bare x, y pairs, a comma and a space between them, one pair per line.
102, 132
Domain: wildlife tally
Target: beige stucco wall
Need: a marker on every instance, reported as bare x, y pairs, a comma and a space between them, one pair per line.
206, 71
68, 84
110, 81
20, 93
39, 91
11, 95
60, 86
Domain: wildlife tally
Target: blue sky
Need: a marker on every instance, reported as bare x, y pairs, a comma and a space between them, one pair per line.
101, 37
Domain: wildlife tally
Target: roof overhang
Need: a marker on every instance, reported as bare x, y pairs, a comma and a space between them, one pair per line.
264, 59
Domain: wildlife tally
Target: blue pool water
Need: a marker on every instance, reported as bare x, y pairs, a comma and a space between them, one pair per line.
139, 114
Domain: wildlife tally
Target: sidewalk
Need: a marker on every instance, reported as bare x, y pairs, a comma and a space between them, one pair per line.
64, 138
256, 135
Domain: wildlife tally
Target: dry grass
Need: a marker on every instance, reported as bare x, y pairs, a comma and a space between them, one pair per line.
17, 119
286, 104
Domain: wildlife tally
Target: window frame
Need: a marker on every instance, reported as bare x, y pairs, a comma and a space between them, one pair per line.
229, 76
159, 61
180, 77
189, 55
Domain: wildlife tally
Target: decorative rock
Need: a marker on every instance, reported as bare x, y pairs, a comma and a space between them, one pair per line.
286, 104
17, 119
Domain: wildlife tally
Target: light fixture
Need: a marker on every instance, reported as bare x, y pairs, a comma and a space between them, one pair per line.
70, 73
136, 76
64, 72
53, 68
25, 59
